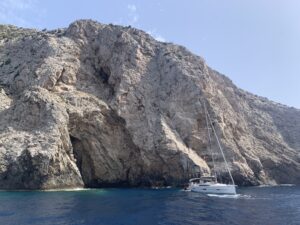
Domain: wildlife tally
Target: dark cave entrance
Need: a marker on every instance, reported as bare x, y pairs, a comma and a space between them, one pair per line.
83, 160
77, 151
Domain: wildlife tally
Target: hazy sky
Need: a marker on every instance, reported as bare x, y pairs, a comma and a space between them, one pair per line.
256, 43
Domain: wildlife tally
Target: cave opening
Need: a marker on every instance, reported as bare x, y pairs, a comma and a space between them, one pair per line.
77, 151
83, 160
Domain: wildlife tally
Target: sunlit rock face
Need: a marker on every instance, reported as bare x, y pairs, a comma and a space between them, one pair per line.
102, 105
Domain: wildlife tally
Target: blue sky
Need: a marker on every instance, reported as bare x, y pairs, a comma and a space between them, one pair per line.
256, 43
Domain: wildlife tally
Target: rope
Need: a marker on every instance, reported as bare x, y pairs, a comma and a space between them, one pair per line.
219, 144
209, 138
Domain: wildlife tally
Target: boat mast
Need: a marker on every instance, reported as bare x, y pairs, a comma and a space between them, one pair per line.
219, 144
209, 138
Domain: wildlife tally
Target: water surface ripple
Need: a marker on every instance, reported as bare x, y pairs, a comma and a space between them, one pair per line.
255, 206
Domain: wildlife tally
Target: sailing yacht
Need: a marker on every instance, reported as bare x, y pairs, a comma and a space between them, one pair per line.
210, 184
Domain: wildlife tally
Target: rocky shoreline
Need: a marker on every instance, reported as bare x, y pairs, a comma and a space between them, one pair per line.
97, 105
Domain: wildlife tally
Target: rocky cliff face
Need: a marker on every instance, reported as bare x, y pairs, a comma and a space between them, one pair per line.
102, 105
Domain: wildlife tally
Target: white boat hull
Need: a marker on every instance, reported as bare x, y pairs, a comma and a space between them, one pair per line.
214, 189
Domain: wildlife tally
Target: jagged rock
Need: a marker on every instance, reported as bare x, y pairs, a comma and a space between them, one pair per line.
104, 105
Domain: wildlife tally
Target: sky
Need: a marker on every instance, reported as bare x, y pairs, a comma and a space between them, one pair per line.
256, 43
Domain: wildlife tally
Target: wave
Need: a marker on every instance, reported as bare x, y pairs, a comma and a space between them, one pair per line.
66, 189
236, 196
276, 185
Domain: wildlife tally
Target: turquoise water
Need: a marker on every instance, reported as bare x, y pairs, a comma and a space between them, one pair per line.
256, 205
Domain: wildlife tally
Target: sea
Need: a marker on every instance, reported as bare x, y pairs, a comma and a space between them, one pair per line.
268, 205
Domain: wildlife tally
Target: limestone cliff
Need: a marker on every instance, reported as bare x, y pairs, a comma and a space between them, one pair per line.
104, 105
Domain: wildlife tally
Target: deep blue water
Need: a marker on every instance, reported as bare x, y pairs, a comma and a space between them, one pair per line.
256, 205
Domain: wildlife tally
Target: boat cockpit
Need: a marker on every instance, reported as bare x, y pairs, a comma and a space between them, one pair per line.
203, 181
